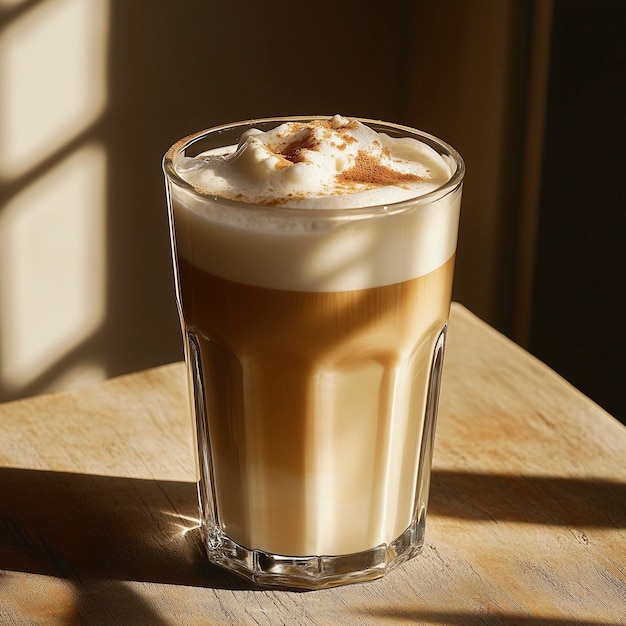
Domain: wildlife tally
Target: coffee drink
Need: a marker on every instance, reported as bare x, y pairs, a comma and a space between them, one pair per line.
314, 324
318, 401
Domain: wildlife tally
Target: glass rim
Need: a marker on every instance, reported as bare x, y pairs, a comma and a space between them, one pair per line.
454, 182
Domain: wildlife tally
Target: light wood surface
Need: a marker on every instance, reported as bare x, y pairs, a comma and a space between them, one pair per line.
527, 521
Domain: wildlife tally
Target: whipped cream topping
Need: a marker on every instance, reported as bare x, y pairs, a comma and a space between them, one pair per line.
332, 163
326, 163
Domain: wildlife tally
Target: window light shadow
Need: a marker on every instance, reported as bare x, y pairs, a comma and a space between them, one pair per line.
53, 191
100, 532
551, 500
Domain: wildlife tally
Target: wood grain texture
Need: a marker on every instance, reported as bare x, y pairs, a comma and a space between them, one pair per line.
527, 519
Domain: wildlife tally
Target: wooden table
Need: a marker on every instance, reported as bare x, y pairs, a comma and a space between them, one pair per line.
527, 521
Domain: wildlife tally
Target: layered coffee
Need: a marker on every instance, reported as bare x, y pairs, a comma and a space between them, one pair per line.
315, 403
314, 274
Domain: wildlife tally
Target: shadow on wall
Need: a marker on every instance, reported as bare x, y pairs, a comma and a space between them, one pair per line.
91, 96
580, 292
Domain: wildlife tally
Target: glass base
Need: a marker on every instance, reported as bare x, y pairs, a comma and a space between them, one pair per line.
313, 572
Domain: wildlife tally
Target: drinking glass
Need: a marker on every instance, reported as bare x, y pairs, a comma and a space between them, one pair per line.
314, 341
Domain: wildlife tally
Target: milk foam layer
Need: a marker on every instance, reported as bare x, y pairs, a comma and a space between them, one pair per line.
279, 242
335, 163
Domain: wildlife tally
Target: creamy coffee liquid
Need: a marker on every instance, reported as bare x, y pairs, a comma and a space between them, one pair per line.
314, 336
318, 402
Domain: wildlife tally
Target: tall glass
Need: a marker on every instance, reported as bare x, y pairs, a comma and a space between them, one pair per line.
314, 340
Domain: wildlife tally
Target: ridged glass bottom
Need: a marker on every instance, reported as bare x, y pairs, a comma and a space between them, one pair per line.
314, 572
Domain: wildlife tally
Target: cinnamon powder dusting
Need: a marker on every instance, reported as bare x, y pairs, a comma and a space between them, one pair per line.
368, 171
294, 152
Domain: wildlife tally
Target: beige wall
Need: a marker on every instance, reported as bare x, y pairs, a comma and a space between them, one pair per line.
93, 92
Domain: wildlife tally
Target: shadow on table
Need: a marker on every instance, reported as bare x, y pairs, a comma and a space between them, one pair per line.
588, 503
101, 532
85, 527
